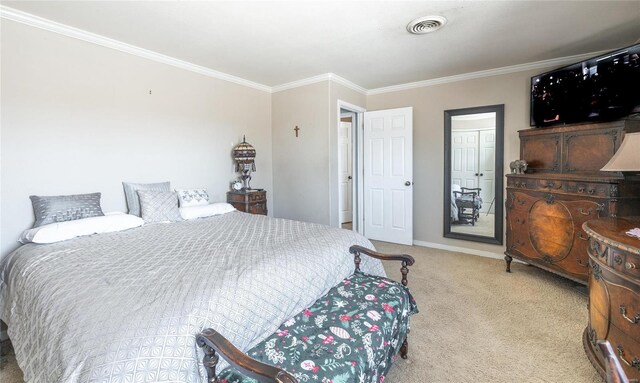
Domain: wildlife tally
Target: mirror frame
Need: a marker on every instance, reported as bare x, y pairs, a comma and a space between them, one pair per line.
497, 239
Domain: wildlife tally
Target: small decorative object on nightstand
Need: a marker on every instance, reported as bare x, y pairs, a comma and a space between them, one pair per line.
249, 201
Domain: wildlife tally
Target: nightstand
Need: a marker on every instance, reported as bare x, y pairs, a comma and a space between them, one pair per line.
249, 201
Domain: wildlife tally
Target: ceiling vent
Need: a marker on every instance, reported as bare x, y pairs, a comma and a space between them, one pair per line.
426, 24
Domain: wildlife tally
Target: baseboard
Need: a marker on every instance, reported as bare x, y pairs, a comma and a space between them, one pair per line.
466, 250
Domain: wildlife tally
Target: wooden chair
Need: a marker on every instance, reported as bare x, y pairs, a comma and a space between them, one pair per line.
469, 204
614, 371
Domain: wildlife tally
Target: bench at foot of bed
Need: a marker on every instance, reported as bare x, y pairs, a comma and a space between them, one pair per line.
351, 334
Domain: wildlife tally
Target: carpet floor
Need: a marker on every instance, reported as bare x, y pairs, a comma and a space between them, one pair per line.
480, 324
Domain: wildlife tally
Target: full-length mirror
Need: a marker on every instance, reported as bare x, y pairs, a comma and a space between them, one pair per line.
473, 173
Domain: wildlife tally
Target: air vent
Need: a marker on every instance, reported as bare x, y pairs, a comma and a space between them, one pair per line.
426, 24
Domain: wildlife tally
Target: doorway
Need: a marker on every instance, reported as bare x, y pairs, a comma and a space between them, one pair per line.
348, 172
345, 167
374, 172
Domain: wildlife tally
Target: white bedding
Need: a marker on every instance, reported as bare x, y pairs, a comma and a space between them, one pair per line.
126, 306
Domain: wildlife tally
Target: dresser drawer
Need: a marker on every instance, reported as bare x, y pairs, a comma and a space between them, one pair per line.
588, 189
520, 201
519, 183
616, 299
257, 196
628, 351
584, 210
626, 263
258, 208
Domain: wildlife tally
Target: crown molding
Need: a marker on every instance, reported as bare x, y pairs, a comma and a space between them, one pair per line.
487, 73
343, 81
303, 82
62, 29
320, 78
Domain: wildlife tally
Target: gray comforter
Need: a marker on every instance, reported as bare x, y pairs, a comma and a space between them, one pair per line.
126, 306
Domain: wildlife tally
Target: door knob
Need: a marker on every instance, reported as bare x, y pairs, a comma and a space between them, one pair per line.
476, 174
408, 183
481, 174
349, 177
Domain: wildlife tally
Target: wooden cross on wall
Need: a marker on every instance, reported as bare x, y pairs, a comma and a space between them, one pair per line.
296, 129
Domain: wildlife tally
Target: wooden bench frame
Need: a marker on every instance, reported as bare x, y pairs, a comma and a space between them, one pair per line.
213, 343
613, 371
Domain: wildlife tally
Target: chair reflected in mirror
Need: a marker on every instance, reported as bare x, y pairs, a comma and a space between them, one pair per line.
466, 205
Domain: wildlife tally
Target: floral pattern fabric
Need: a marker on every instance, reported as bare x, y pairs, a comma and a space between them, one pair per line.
351, 334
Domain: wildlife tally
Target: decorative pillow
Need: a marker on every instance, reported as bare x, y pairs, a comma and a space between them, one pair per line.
133, 202
192, 212
159, 206
50, 209
61, 231
192, 197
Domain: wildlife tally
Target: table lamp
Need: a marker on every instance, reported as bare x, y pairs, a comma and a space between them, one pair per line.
627, 158
244, 155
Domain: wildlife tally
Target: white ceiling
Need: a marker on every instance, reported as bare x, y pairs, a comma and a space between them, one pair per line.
276, 42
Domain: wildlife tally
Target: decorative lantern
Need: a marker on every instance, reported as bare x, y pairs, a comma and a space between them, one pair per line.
244, 155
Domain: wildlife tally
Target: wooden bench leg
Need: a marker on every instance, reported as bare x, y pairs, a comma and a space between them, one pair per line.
404, 349
210, 362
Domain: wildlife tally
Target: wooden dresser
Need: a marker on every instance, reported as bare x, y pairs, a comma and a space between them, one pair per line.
251, 201
562, 189
614, 293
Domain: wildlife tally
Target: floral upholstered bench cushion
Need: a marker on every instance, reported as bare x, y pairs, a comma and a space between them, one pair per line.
351, 334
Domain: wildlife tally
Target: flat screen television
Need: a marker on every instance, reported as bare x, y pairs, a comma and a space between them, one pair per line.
603, 88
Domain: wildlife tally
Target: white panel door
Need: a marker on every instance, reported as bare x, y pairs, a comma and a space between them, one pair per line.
487, 169
345, 165
464, 158
388, 175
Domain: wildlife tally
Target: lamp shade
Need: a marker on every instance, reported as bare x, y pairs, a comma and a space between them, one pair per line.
244, 154
627, 158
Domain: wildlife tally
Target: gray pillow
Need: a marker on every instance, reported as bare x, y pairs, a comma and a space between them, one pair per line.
159, 206
133, 202
52, 209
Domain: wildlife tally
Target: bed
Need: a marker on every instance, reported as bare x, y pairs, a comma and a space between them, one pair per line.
126, 306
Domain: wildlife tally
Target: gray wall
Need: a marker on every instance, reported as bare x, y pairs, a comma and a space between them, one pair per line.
301, 165
78, 117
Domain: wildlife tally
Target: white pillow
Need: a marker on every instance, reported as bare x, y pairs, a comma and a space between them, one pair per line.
192, 197
193, 212
62, 231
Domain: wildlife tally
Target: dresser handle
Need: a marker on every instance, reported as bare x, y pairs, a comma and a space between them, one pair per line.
582, 237
634, 320
629, 266
581, 211
591, 191
581, 189
634, 363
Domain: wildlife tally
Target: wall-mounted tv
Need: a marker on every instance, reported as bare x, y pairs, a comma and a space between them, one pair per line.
603, 88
